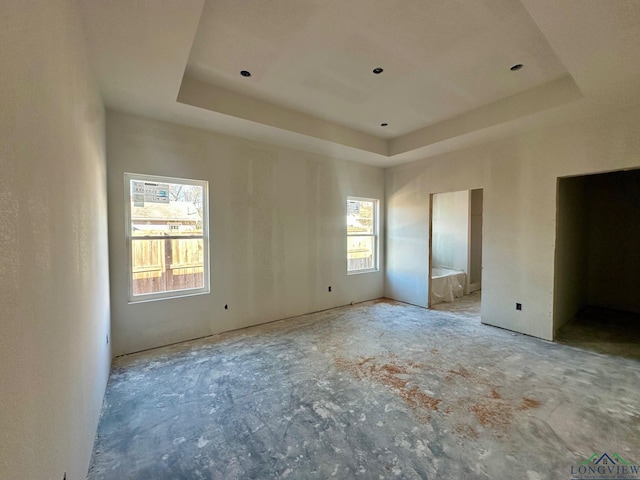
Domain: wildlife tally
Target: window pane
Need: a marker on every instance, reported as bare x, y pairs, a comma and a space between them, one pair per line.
360, 217
166, 208
167, 265
168, 236
360, 252
362, 233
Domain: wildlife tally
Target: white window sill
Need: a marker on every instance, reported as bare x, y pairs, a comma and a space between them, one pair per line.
368, 270
179, 294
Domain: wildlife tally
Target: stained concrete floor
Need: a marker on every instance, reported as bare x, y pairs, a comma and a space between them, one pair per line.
374, 391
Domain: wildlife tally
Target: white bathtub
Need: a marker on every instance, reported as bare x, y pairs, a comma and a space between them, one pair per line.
447, 284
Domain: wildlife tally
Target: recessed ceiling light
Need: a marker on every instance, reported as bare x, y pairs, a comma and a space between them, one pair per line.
245, 73
384, 124
516, 67
378, 70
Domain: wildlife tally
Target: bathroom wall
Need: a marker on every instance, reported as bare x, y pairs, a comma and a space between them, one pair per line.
475, 241
450, 230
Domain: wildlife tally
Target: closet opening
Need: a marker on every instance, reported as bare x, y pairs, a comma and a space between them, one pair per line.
597, 263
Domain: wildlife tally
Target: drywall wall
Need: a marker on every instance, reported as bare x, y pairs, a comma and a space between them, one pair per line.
519, 176
475, 241
571, 262
614, 240
277, 230
450, 230
54, 285
407, 189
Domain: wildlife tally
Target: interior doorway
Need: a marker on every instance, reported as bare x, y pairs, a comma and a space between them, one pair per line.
597, 264
455, 251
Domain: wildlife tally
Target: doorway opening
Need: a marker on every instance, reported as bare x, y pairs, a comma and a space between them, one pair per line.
455, 251
597, 264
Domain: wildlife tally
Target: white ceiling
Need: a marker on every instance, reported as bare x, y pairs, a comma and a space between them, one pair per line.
446, 81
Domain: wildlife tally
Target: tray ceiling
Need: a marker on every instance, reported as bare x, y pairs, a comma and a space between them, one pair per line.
446, 82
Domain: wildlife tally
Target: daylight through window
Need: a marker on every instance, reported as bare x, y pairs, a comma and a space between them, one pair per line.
167, 235
362, 235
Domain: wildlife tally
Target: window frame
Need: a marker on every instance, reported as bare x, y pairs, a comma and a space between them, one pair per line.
129, 238
375, 235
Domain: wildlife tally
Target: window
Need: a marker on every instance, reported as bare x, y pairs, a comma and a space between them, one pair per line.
362, 235
167, 225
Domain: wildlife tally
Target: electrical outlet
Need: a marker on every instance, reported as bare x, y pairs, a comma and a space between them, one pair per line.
518, 306
329, 287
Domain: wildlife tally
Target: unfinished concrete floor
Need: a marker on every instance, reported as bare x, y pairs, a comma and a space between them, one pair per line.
377, 390
467, 305
603, 330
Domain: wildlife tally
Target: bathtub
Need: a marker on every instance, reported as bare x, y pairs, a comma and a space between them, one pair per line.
447, 284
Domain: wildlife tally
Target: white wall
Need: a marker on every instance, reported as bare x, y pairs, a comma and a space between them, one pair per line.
54, 286
450, 230
518, 175
571, 274
277, 223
